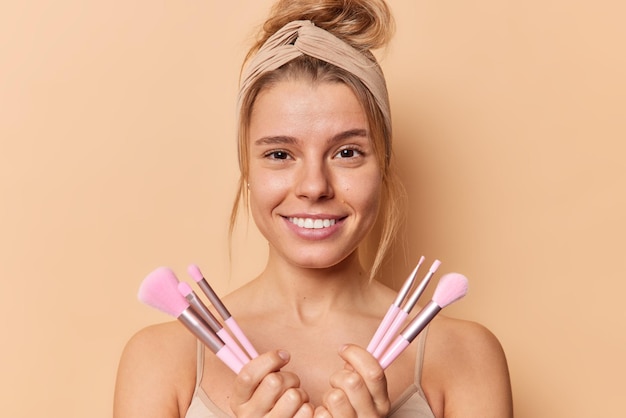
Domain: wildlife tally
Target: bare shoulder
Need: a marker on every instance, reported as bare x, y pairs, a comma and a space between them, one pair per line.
466, 366
156, 373
167, 341
467, 339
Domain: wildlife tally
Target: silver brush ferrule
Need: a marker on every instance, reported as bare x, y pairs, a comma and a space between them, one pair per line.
199, 328
203, 311
420, 321
214, 299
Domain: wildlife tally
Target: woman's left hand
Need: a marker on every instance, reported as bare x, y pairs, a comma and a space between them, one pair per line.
358, 390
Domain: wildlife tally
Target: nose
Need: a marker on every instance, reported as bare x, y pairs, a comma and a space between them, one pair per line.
314, 182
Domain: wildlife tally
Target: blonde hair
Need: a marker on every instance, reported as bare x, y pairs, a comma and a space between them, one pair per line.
364, 25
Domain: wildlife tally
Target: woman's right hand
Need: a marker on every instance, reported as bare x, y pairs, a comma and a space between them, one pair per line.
263, 390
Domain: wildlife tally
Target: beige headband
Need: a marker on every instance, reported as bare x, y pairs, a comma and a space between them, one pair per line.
302, 37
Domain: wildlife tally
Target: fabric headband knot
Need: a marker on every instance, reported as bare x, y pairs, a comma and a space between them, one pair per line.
302, 37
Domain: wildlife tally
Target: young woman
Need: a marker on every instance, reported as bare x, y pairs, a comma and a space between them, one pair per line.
316, 175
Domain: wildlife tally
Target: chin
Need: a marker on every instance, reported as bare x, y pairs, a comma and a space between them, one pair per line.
316, 260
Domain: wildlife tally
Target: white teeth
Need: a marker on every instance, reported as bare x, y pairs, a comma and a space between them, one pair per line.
310, 223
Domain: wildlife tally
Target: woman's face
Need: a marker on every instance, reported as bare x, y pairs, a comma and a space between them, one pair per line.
314, 179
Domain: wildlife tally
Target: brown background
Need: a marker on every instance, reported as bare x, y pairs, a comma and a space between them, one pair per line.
117, 156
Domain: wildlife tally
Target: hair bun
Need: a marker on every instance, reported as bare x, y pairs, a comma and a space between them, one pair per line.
363, 24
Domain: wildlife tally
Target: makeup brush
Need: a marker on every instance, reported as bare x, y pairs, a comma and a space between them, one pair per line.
404, 312
211, 321
451, 287
394, 308
160, 290
196, 274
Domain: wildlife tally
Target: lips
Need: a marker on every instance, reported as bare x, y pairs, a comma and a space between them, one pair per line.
312, 223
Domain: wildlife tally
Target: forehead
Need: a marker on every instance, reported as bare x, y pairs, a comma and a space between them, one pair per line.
306, 107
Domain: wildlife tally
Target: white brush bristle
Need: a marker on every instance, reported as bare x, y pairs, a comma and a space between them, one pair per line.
451, 287
160, 290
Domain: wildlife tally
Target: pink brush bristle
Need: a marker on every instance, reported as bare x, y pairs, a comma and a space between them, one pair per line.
451, 287
194, 272
184, 289
160, 290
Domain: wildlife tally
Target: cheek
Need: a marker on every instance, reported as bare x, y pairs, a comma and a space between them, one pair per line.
364, 193
267, 189
373, 201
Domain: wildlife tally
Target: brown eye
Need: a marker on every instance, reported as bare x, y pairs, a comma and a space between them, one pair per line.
278, 155
348, 153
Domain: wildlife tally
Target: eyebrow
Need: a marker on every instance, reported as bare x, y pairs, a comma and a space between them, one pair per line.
289, 140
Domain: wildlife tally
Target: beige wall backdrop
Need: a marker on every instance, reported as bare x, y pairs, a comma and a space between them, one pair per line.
117, 156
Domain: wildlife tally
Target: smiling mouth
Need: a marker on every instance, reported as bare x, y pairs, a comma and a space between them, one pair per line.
309, 223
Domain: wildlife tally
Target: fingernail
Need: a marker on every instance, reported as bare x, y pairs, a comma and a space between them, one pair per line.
283, 355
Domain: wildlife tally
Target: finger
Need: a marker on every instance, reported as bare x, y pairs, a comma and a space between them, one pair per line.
305, 411
253, 373
292, 402
276, 387
277, 395
355, 390
337, 404
322, 412
371, 375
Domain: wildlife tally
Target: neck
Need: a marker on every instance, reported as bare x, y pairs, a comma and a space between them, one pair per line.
310, 294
